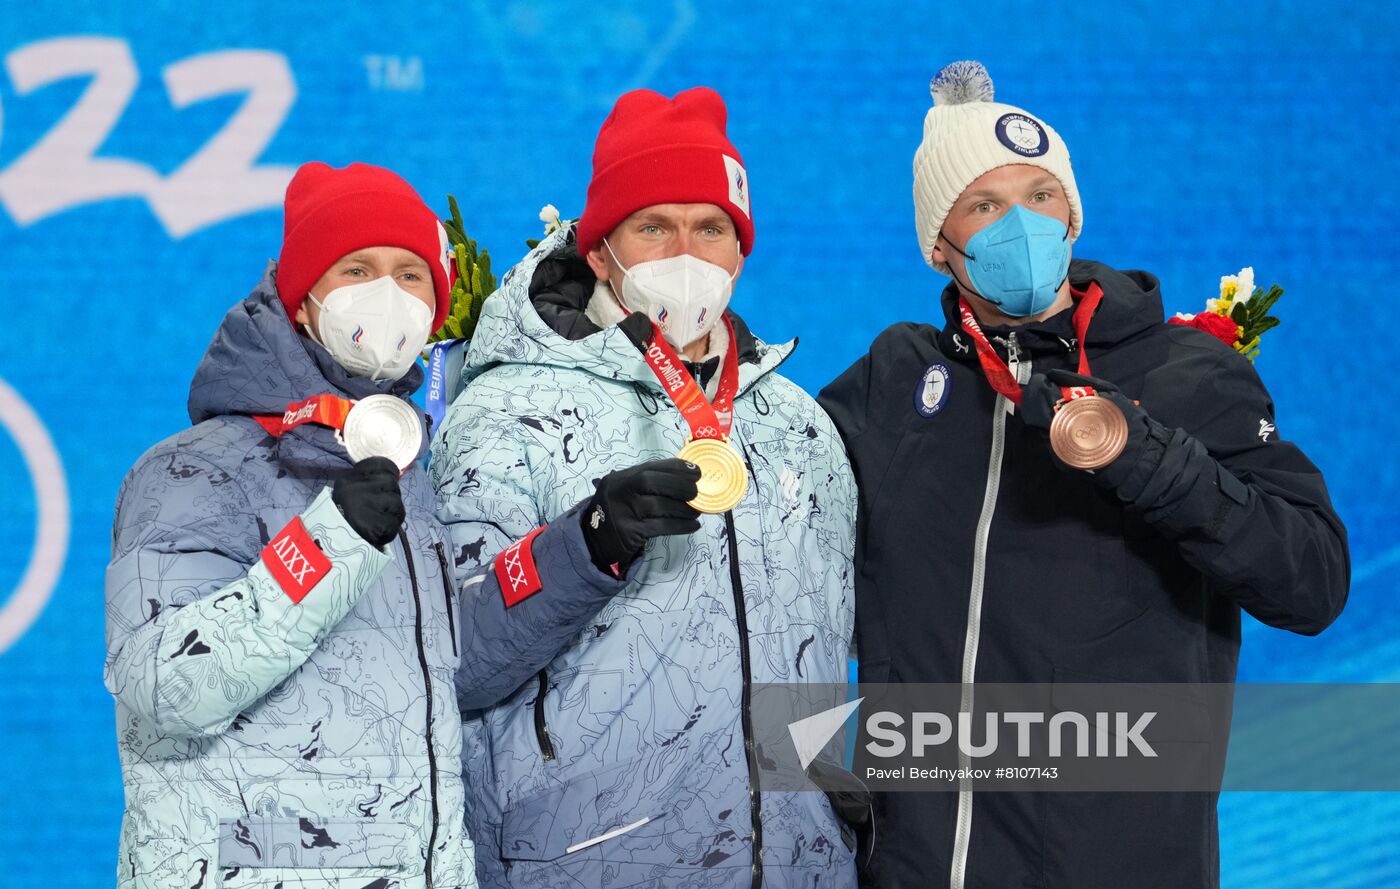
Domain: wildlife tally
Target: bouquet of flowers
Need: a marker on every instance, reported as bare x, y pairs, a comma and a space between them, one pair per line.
1240, 316
474, 280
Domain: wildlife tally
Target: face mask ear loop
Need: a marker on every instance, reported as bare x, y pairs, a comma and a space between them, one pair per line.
954, 274
964, 254
1066, 277
617, 296
315, 335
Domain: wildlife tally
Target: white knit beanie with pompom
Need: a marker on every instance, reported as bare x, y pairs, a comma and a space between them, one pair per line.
966, 134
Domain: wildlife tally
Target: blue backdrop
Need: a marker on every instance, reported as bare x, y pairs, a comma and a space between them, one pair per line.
144, 147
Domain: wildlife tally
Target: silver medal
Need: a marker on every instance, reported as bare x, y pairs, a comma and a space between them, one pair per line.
383, 426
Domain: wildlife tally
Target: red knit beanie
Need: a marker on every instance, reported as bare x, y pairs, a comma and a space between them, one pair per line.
655, 150
329, 213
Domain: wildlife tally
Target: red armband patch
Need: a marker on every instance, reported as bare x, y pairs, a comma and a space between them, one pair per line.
515, 570
295, 561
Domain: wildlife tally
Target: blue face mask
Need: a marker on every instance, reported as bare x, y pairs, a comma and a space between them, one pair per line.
1018, 262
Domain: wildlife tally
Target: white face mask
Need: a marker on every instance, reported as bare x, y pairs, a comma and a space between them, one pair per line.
684, 295
373, 329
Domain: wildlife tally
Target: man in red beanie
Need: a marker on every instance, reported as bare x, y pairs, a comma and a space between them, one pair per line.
609, 383
282, 619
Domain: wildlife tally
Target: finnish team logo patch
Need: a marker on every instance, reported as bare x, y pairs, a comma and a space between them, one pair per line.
1022, 134
932, 392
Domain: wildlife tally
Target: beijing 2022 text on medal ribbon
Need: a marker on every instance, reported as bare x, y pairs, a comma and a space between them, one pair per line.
723, 478
376, 426
1088, 431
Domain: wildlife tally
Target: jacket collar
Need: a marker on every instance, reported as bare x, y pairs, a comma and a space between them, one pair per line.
1132, 303
563, 291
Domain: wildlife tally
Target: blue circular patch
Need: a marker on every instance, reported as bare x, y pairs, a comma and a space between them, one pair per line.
932, 392
1022, 134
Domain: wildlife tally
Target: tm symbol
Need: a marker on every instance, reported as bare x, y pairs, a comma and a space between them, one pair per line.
395, 74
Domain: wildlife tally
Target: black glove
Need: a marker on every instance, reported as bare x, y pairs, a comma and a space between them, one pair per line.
1146, 438
851, 802
633, 505
368, 496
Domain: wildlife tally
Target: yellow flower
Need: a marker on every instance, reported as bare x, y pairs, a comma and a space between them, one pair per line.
1237, 288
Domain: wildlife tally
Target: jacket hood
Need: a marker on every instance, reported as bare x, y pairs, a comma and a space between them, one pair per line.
258, 363
537, 317
1132, 303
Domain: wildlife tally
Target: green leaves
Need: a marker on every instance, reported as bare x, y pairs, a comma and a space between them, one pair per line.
474, 279
1254, 317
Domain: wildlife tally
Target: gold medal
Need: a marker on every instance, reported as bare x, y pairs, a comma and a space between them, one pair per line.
723, 479
1088, 432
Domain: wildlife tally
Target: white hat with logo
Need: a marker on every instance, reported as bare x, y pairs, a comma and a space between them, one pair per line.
967, 134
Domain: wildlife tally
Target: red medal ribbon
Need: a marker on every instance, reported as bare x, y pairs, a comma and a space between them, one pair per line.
327, 410
705, 419
999, 375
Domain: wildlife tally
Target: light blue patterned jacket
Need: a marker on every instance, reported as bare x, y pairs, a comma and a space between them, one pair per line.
624, 762
265, 742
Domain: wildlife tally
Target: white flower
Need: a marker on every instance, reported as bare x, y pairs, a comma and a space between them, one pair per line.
1185, 316
549, 215
1242, 285
1246, 280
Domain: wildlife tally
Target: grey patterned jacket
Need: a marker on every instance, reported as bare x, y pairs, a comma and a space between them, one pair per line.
624, 762
265, 742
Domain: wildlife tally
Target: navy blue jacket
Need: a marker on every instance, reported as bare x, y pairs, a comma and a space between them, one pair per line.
1073, 585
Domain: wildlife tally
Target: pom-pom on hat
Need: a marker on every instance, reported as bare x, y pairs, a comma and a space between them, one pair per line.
330, 212
655, 150
967, 134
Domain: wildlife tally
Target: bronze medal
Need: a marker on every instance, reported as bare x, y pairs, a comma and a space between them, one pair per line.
723, 479
383, 426
1088, 432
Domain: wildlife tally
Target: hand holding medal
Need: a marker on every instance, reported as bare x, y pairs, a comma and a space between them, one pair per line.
382, 436
1087, 425
1087, 430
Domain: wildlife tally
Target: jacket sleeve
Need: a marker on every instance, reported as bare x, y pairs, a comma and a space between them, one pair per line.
850, 401
485, 496
198, 627
838, 493
1246, 508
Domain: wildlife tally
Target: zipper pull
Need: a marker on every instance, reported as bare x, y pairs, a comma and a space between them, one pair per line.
1013, 364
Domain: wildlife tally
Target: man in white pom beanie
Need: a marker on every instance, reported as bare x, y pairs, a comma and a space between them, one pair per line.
1024, 522
966, 135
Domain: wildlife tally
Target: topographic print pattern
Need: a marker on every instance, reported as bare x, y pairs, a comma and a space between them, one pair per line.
642, 708
266, 743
